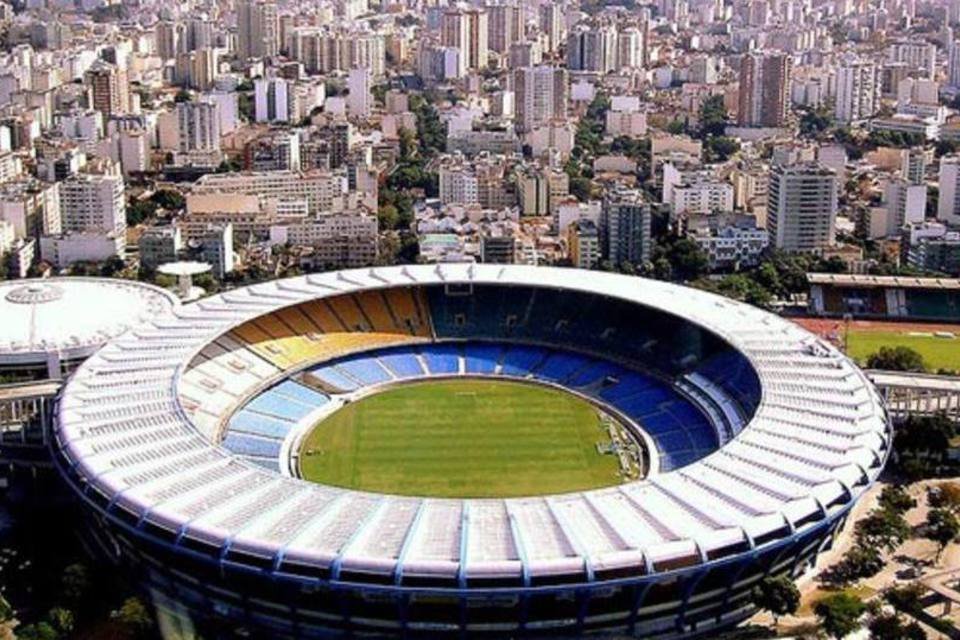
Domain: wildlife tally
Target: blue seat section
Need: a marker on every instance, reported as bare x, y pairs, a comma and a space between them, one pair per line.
594, 373
442, 359
482, 358
731, 371
271, 403
559, 366
334, 378
261, 425
252, 445
300, 393
521, 360
402, 364
364, 369
629, 384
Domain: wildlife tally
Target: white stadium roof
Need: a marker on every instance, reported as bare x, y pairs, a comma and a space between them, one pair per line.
817, 439
72, 316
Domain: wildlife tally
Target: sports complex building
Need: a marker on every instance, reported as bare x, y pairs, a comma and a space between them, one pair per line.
738, 444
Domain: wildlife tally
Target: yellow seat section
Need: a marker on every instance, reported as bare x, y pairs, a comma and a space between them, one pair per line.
273, 326
406, 305
346, 308
292, 351
321, 315
375, 310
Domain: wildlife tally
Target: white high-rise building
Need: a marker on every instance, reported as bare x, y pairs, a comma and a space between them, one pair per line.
953, 65
93, 204
801, 207
948, 206
541, 95
857, 91
272, 100
359, 98
198, 126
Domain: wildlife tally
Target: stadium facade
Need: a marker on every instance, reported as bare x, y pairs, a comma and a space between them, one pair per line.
179, 439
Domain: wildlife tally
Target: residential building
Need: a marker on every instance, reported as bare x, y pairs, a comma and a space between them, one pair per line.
625, 226
93, 203
583, 244
258, 29
858, 91
801, 207
948, 204
764, 87
541, 95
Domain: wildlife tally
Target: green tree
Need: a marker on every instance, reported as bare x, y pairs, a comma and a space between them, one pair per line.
896, 499
814, 122
61, 619
889, 626
6, 611
943, 527
581, 188
719, 148
183, 95
839, 614
778, 595
134, 615
38, 631
139, 211
882, 528
168, 199
906, 598
713, 117
898, 358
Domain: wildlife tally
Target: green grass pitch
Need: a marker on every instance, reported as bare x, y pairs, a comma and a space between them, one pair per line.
938, 353
461, 438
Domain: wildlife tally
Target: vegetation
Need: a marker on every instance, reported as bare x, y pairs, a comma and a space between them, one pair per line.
839, 614
943, 527
778, 595
921, 444
463, 438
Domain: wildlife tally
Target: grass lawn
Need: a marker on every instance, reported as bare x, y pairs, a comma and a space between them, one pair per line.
938, 353
461, 438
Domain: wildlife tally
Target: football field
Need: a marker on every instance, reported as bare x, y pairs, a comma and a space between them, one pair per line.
939, 344
462, 438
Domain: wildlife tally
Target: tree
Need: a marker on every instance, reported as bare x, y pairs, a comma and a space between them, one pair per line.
897, 358
906, 598
168, 199
883, 528
713, 117
839, 614
183, 96
61, 619
581, 188
889, 626
6, 611
814, 122
720, 148
897, 500
38, 631
134, 615
139, 211
778, 595
942, 527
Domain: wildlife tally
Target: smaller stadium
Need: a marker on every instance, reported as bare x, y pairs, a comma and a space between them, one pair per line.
476, 450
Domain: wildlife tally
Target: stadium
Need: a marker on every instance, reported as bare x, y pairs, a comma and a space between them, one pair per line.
478, 450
